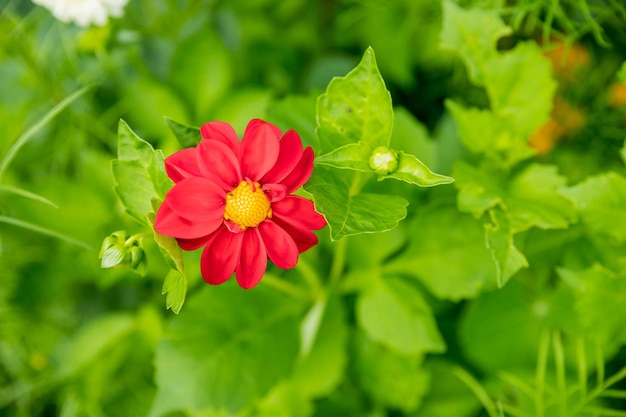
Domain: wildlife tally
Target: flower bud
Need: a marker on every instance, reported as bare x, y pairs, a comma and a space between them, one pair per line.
118, 251
383, 160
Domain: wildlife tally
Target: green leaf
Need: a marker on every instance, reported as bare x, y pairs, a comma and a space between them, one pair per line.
412, 170
483, 132
499, 236
349, 214
353, 156
600, 301
512, 80
355, 108
447, 254
472, 34
393, 380
319, 372
531, 197
601, 201
187, 136
285, 400
396, 315
201, 70
500, 330
218, 354
139, 174
516, 79
175, 286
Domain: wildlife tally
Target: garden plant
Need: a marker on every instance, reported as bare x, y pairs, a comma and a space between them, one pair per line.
333, 208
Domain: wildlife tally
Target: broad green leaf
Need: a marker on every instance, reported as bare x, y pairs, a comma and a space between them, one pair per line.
355, 108
601, 201
472, 34
483, 132
187, 136
412, 170
201, 70
217, 355
353, 156
600, 301
296, 113
285, 400
520, 87
499, 236
139, 173
447, 254
622, 152
396, 381
531, 197
395, 314
319, 372
500, 330
349, 214
175, 286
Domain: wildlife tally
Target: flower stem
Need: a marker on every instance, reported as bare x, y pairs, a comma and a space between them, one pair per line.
336, 268
285, 287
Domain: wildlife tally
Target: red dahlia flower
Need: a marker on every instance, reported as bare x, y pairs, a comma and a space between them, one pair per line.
235, 200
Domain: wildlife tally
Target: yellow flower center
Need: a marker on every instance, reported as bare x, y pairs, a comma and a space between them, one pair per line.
247, 205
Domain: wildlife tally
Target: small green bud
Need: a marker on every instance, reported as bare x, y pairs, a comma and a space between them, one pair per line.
383, 160
120, 251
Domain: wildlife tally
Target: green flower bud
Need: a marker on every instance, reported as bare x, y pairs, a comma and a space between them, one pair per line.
120, 251
383, 160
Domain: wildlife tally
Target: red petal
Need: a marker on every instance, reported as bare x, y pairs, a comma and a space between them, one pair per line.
219, 258
274, 192
281, 248
259, 149
299, 212
218, 163
222, 132
193, 244
288, 157
301, 172
182, 164
303, 238
199, 201
168, 223
253, 259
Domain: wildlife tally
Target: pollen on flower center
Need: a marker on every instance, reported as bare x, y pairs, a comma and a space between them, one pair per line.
247, 205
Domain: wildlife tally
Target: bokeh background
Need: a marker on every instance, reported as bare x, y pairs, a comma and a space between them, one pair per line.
77, 340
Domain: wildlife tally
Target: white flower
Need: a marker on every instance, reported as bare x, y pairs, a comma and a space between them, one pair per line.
84, 12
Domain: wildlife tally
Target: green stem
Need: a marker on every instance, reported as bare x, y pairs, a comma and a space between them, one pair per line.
310, 275
43, 231
336, 268
285, 287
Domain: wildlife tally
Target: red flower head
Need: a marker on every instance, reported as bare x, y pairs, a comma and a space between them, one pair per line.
235, 200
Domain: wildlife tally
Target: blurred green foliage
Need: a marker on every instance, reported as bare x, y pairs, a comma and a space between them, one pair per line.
410, 322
